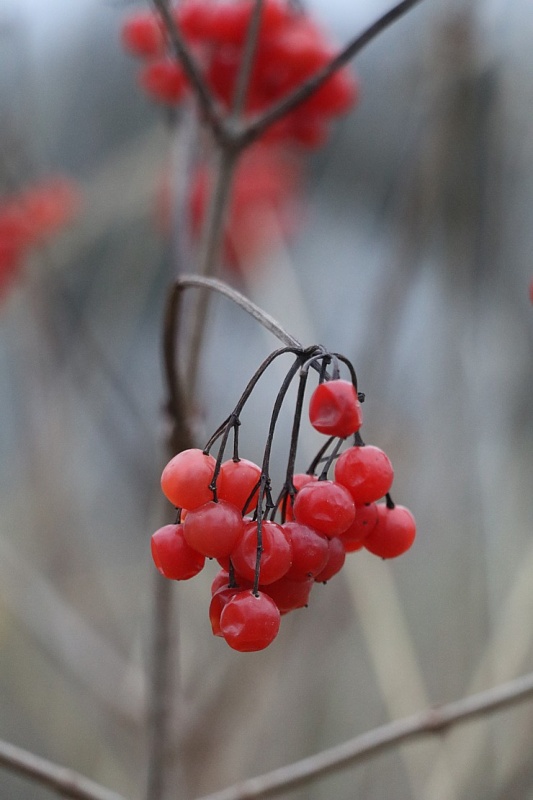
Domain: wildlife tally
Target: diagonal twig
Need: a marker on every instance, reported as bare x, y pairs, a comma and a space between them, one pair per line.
416, 726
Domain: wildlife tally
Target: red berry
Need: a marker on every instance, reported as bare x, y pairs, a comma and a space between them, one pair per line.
299, 480
142, 36
394, 533
366, 471
236, 481
186, 478
309, 551
325, 506
276, 555
366, 518
216, 606
334, 409
288, 594
335, 562
250, 622
164, 81
172, 555
213, 529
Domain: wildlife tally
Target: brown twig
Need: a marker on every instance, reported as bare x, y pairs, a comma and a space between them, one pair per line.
369, 744
251, 132
65, 782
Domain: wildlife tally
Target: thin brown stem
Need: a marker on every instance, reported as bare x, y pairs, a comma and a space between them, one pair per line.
251, 132
247, 63
425, 723
65, 782
182, 53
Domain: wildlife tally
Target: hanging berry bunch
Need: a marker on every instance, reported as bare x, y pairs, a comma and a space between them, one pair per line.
273, 548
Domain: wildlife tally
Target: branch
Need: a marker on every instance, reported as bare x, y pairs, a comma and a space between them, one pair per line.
182, 53
373, 742
266, 320
251, 132
65, 782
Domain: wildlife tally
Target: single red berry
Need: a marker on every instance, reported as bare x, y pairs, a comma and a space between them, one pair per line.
394, 532
366, 471
309, 551
164, 80
335, 562
286, 505
186, 478
236, 482
366, 518
334, 409
250, 622
325, 506
214, 529
142, 36
276, 555
172, 555
288, 594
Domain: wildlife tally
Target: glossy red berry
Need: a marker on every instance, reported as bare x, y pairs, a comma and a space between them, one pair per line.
213, 529
309, 551
366, 518
335, 562
366, 472
216, 606
236, 482
393, 534
186, 478
334, 409
286, 505
325, 506
288, 594
173, 557
276, 556
250, 622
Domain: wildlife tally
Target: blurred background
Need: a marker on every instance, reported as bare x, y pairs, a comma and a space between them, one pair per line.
413, 258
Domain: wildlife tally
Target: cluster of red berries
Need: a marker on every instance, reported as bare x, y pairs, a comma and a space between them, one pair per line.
29, 218
290, 48
226, 510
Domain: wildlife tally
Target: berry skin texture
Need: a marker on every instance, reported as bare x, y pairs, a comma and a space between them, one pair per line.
213, 529
334, 409
186, 478
325, 506
276, 556
299, 480
309, 551
366, 518
393, 534
250, 622
289, 595
172, 555
236, 482
335, 562
366, 471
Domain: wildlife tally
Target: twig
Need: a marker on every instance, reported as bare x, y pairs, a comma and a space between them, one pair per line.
247, 61
61, 780
243, 302
203, 93
378, 740
251, 132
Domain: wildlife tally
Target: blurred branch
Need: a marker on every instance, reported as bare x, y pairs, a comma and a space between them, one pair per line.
373, 742
61, 780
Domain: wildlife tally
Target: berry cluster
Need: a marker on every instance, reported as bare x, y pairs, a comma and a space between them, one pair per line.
273, 550
29, 219
290, 48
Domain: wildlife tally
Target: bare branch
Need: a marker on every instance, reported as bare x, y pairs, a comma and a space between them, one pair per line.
243, 302
65, 782
256, 128
202, 91
378, 740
